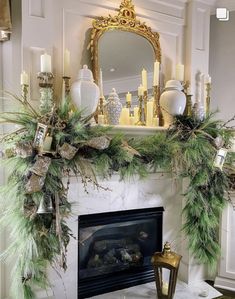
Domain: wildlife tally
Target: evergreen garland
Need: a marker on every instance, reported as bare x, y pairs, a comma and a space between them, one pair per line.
188, 149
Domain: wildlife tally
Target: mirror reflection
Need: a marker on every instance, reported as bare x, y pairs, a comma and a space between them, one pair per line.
122, 56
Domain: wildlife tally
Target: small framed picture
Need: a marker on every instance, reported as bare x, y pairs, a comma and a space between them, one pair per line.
40, 135
220, 158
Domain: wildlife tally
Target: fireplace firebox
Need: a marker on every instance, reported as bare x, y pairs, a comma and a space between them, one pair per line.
115, 249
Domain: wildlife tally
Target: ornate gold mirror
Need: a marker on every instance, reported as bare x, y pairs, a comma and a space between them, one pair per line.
122, 46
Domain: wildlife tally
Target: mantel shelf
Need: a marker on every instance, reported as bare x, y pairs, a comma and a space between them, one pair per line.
136, 130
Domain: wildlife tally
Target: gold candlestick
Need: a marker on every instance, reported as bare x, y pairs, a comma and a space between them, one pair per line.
66, 81
101, 106
145, 99
46, 91
128, 104
157, 109
141, 117
208, 98
188, 108
25, 91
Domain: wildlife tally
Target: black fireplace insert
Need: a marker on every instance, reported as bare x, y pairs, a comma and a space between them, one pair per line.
115, 249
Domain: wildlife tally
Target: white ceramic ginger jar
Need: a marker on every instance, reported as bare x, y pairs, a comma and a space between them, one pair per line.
172, 101
85, 93
113, 108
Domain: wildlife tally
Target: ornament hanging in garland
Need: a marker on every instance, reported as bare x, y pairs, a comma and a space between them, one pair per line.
220, 158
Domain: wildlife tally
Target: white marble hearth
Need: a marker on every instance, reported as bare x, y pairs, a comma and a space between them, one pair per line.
183, 291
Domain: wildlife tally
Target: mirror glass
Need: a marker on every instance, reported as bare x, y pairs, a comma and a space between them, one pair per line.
122, 55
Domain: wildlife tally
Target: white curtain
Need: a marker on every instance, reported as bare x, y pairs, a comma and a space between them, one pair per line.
5, 20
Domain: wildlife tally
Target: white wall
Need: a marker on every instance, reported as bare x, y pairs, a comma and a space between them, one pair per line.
222, 66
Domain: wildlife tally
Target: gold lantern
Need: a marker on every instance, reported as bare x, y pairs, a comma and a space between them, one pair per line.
166, 265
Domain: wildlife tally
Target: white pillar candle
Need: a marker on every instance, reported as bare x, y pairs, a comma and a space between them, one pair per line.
144, 79
140, 90
125, 118
156, 73
101, 119
136, 114
66, 63
179, 72
128, 97
149, 118
47, 143
156, 122
46, 63
101, 84
24, 78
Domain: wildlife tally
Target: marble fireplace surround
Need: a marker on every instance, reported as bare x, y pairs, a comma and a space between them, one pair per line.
159, 189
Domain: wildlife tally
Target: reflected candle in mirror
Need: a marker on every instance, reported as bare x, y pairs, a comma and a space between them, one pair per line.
136, 114
156, 73
125, 118
101, 119
101, 84
149, 118
156, 122
144, 79
128, 97
140, 90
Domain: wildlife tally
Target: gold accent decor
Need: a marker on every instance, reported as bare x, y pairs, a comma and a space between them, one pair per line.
25, 91
125, 20
66, 83
168, 261
141, 112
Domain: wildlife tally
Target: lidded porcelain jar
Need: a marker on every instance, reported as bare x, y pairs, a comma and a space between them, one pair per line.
113, 108
85, 93
172, 101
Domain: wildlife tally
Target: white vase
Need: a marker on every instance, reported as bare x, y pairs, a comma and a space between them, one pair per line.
85, 93
172, 101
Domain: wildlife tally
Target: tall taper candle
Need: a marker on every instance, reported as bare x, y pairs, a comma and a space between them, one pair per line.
156, 73
140, 90
179, 72
144, 80
66, 63
128, 97
46, 63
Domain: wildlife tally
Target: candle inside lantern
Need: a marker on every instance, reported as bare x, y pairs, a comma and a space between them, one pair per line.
66, 63
179, 73
144, 79
24, 78
47, 143
46, 63
149, 119
165, 288
128, 97
156, 73
140, 90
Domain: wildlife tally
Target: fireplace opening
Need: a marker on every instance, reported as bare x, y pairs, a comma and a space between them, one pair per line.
115, 249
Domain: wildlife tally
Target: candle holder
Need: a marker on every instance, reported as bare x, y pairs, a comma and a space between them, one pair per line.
46, 91
157, 109
101, 106
141, 113
66, 81
25, 91
188, 108
208, 98
128, 104
145, 98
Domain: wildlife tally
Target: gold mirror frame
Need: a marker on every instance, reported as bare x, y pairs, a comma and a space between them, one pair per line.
125, 20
